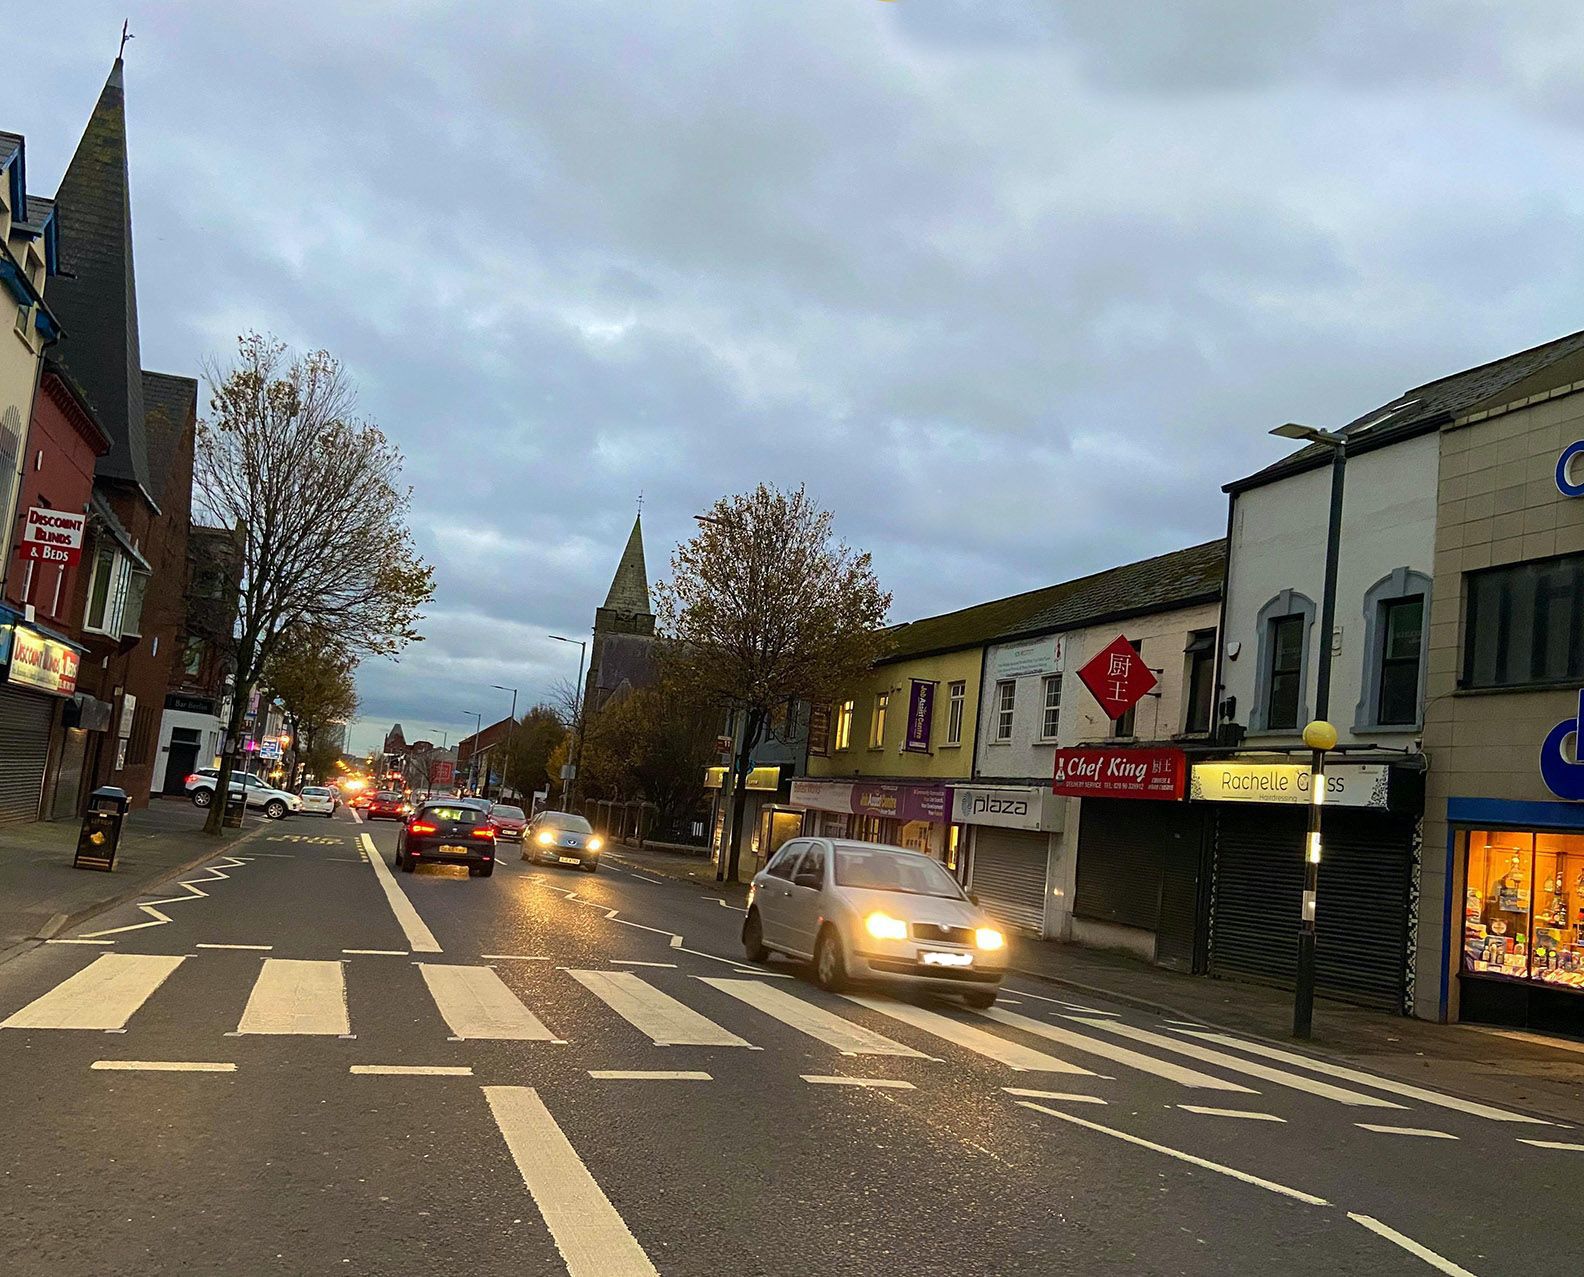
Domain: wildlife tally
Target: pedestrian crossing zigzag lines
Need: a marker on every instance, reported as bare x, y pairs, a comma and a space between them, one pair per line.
158, 918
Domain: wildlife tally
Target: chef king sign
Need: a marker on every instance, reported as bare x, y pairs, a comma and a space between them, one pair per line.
1118, 677
52, 536
1120, 773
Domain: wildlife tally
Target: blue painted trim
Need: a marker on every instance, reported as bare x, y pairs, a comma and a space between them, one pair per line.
1445, 1009
1489, 812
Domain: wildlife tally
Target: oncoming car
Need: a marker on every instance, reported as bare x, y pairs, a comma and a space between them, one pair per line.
865, 911
562, 838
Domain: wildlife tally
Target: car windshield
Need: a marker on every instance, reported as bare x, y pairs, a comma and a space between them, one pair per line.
456, 813
565, 820
875, 869
510, 813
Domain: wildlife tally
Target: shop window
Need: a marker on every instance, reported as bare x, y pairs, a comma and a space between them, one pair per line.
844, 717
956, 702
1283, 627
1006, 701
1050, 721
877, 720
1523, 910
1199, 681
1525, 624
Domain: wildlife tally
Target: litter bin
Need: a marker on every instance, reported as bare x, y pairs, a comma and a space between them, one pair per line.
100, 837
236, 804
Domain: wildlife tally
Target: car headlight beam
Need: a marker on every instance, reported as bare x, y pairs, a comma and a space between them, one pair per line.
594, 844
989, 938
545, 838
882, 926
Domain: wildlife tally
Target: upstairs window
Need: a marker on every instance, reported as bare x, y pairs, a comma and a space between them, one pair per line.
956, 703
1050, 721
1525, 624
844, 717
877, 720
1199, 681
1402, 644
1285, 672
1006, 700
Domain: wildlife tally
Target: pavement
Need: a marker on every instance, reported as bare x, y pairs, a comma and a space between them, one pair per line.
322, 1065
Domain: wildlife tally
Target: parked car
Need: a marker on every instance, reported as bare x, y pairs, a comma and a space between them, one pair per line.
866, 911
388, 804
275, 803
319, 800
562, 838
509, 822
447, 832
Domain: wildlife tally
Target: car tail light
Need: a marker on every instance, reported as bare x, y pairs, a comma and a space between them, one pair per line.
422, 827
192, 778
485, 831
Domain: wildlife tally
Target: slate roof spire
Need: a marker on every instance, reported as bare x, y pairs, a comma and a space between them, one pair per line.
629, 591
95, 297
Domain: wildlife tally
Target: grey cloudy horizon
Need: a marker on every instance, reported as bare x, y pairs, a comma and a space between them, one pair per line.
1013, 287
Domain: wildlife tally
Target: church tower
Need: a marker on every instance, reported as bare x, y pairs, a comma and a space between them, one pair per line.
624, 629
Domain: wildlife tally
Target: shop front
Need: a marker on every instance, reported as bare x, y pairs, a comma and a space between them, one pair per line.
915, 816
768, 818
1008, 840
38, 672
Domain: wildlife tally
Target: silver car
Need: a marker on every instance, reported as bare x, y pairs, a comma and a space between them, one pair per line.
865, 911
562, 838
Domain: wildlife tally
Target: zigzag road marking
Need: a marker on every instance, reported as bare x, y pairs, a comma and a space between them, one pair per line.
157, 917
612, 915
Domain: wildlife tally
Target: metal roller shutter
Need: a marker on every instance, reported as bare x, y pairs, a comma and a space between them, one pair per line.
1121, 846
1361, 920
1009, 875
24, 749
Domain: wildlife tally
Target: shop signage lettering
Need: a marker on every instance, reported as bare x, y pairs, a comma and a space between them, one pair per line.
1566, 484
897, 802
1120, 773
921, 710
1019, 660
1564, 776
822, 795
1353, 785
38, 663
1006, 808
52, 536
1117, 677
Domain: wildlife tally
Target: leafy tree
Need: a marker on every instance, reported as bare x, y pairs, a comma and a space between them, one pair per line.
313, 674
529, 747
765, 607
316, 496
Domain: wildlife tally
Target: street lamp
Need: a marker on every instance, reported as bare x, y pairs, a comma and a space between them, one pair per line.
478, 730
511, 735
1318, 735
569, 783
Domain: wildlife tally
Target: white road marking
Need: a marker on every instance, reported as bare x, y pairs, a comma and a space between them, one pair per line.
649, 1075
1418, 1131
1557, 1144
513, 957
1070, 1097
79, 942
884, 1083
762, 974
1368, 1079
103, 995
163, 1066
1012, 1054
419, 938
1439, 1262
411, 1070
157, 918
666, 1021
590, 1234
293, 996
1243, 1113
254, 948
1117, 1054
634, 962
476, 1003
805, 1017
378, 953
1230, 1171
1340, 1094
724, 905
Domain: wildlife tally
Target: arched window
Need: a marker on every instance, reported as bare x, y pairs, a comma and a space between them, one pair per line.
1396, 614
1281, 676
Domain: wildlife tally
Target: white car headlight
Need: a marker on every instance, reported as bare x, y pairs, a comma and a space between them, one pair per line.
989, 938
594, 844
882, 926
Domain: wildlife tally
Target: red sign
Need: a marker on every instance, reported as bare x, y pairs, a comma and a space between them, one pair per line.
442, 773
1118, 677
52, 536
1120, 773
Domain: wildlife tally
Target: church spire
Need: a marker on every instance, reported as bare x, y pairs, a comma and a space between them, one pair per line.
629, 591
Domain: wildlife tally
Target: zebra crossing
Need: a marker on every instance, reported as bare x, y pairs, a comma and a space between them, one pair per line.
290, 997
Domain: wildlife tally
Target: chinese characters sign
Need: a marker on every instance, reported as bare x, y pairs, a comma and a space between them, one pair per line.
1117, 677
1120, 773
921, 709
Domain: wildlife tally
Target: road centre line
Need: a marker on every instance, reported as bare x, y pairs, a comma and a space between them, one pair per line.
254, 948
419, 938
411, 1070
1204, 1163
514, 957
884, 1083
79, 942
162, 1066
1206, 1111
1557, 1144
634, 962
1439, 1262
593, 1239
1419, 1131
1179, 1073
1368, 1079
1070, 1097
649, 1075
103, 995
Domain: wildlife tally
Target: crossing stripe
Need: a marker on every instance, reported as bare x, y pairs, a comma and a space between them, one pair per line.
649, 1075
805, 1017
1340, 1094
162, 1066
1013, 1054
1246, 1114
103, 995
419, 938
1404, 1089
476, 1003
593, 1239
297, 997
1117, 1054
1070, 1097
666, 1021
883, 1083
1419, 1131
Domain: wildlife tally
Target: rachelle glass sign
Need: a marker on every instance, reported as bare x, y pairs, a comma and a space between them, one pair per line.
1354, 786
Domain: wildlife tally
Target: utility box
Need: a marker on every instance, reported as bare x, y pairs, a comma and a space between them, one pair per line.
100, 837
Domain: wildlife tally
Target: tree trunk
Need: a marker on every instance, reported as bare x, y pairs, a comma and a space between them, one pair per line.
750, 739
239, 703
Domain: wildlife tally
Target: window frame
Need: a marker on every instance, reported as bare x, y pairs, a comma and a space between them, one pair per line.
1276, 627
956, 711
1050, 729
1287, 603
1507, 606
1199, 662
1005, 710
841, 730
878, 711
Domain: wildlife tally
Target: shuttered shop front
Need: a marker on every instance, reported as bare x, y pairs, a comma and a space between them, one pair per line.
1009, 875
1362, 916
25, 719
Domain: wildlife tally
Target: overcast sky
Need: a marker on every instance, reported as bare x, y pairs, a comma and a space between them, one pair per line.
1013, 285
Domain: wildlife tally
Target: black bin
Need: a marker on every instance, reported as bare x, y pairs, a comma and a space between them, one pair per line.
236, 805
100, 837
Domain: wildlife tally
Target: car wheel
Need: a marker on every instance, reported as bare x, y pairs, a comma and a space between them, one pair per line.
202, 797
830, 968
407, 865
486, 871
275, 809
981, 1000
753, 938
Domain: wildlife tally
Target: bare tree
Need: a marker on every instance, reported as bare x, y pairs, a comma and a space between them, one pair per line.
764, 608
315, 494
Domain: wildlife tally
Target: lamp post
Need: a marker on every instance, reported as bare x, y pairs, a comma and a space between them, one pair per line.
511, 735
1319, 735
478, 730
569, 783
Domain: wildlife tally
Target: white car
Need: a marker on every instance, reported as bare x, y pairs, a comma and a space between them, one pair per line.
276, 803
319, 801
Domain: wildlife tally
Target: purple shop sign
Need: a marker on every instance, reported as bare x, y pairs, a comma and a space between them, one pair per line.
902, 802
921, 709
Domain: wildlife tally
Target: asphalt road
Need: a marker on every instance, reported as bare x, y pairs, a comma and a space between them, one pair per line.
304, 1063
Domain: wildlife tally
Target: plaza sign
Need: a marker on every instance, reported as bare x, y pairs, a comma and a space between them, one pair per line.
1007, 808
1349, 785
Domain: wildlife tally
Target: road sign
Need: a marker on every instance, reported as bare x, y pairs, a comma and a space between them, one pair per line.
1118, 677
568, 772
269, 747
